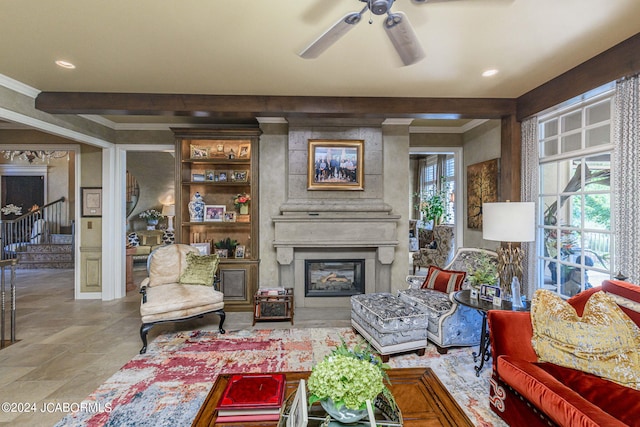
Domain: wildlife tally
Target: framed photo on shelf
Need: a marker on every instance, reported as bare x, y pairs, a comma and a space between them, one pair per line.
240, 251
91, 201
240, 176
230, 216
210, 175
214, 212
222, 176
222, 253
198, 152
335, 164
197, 177
204, 248
489, 293
244, 151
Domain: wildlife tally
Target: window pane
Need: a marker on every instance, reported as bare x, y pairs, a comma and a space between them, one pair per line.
597, 211
572, 121
599, 112
598, 136
550, 147
569, 176
596, 250
549, 206
549, 129
573, 210
548, 178
571, 143
598, 173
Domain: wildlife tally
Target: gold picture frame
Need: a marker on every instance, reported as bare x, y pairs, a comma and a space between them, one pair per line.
335, 164
482, 187
198, 152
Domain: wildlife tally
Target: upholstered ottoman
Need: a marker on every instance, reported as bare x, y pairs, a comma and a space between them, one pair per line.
389, 324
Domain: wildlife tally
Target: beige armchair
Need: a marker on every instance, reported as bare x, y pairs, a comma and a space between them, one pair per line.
439, 256
180, 286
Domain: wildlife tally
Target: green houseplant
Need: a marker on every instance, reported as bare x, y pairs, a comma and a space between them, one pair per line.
433, 204
345, 379
485, 272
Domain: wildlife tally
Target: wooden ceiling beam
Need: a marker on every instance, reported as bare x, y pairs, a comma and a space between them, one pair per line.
269, 106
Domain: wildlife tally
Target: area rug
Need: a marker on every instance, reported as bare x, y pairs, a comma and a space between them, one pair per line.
167, 385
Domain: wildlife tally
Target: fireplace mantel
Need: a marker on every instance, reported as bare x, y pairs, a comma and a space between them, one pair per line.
315, 229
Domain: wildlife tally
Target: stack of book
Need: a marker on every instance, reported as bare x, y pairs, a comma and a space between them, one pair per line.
252, 397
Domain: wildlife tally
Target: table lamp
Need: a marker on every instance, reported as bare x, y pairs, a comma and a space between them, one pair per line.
169, 211
510, 222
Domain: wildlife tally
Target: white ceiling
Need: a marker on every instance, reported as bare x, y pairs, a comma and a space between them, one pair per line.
249, 47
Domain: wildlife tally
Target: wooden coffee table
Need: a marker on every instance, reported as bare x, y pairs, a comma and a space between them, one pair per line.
421, 397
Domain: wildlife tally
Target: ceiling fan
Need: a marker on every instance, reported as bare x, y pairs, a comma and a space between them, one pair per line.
396, 25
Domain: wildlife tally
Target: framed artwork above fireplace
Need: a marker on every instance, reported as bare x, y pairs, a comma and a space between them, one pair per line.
335, 164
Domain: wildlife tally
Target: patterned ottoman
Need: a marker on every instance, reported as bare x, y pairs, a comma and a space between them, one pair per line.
389, 324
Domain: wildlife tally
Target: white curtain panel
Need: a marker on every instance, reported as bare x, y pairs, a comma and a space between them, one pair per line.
627, 178
529, 193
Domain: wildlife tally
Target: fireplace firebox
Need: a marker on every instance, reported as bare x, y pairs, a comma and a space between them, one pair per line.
334, 278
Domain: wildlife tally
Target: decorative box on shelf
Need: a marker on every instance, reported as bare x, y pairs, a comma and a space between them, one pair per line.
273, 304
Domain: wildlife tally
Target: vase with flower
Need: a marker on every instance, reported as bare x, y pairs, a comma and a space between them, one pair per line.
346, 379
152, 216
241, 202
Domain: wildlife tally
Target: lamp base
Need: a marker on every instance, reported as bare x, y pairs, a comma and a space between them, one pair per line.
509, 266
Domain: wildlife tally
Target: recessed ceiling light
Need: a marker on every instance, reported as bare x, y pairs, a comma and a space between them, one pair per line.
490, 72
65, 64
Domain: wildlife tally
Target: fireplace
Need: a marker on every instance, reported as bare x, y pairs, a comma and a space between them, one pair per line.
333, 278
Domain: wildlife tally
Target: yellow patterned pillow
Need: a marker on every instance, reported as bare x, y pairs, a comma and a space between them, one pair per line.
604, 342
200, 269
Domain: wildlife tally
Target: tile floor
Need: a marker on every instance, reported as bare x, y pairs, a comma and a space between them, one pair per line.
68, 347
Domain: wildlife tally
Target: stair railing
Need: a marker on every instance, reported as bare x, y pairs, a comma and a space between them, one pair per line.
34, 227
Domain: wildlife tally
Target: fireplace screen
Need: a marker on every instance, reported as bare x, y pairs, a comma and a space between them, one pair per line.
333, 278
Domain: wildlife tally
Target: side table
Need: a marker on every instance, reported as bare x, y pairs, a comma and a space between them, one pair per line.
273, 304
464, 297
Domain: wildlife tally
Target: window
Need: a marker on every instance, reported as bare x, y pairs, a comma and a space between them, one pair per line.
575, 199
438, 176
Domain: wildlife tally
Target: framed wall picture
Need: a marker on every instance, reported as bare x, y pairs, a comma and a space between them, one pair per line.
230, 216
335, 164
214, 212
482, 187
91, 201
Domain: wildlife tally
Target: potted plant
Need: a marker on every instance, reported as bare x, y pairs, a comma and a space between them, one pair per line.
152, 217
241, 202
345, 379
484, 273
433, 205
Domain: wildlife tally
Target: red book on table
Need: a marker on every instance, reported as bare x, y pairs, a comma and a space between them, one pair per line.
252, 394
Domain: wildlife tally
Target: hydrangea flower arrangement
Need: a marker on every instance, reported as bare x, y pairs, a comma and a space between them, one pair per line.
349, 377
151, 215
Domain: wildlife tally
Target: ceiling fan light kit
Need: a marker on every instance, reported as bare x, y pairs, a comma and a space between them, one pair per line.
396, 25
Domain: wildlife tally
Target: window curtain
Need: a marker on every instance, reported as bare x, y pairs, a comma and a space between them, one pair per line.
627, 178
529, 193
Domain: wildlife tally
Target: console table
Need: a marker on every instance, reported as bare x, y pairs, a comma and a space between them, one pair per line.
420, 395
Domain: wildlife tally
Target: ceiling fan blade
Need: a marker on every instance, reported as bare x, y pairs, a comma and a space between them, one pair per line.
403, 37
331, 36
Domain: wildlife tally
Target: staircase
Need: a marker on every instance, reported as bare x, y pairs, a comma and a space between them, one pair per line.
56, 254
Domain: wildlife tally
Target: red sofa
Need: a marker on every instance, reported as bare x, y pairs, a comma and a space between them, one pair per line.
526, 392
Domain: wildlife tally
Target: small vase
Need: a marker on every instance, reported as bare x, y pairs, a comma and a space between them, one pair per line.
343, 414
244, 209
151, 224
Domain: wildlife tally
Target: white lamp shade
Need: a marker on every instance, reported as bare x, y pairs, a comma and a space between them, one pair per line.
509, 221
169, 210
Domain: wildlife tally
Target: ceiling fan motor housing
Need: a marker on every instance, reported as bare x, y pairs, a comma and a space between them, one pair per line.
380, 7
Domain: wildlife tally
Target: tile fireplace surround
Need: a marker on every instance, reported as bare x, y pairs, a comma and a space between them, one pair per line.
339, 231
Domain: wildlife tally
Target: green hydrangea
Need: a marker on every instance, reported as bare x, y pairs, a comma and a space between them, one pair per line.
349, 377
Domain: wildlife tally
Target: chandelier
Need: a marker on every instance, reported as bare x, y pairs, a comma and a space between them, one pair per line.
35, 155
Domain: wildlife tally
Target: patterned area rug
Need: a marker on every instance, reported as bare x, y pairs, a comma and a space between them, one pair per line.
167, 385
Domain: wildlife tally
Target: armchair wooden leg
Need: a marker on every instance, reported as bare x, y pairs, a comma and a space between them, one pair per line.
144, 330
223, 316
